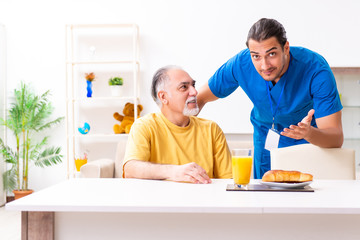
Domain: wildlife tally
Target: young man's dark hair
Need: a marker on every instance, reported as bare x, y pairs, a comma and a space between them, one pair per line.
266, 28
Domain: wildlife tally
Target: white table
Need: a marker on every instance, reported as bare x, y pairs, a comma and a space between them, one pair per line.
148, 209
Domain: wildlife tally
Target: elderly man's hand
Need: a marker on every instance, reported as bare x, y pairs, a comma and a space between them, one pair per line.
190, 172
303, 128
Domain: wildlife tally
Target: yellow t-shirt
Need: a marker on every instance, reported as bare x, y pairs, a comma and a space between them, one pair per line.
153, 138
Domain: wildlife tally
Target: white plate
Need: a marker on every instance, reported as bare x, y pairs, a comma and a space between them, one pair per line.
286, 185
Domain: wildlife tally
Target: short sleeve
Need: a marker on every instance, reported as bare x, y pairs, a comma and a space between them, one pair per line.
224, 82
222, 156
138, 144
325, 95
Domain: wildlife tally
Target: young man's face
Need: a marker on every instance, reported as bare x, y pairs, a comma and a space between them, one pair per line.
269, 58
181, 93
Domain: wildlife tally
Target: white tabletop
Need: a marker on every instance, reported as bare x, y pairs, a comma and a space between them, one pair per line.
134, 195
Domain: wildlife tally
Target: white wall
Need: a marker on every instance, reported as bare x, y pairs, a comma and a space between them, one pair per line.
197, 35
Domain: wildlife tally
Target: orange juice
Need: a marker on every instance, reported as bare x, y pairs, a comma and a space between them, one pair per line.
241, 168
79, 162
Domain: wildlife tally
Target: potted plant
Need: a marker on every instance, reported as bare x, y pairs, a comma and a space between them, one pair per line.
27, 117
115, 84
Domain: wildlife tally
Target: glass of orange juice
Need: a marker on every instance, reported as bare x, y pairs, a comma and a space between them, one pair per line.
241, 166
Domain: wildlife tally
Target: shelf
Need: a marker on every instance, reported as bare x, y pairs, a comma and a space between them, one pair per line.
111, 137
93, 99
102, 26
346, 70
119, 54
101, 135
345, 106
348, 81
103, 62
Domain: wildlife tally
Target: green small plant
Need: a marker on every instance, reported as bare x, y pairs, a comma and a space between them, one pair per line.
27, 117
116, 81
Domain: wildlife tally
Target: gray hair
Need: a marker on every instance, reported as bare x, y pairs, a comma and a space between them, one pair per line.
159, 80
266, 28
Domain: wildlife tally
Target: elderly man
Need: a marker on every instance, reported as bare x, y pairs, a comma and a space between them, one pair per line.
174, 144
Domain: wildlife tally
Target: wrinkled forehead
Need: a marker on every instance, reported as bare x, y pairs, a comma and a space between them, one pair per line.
178, 77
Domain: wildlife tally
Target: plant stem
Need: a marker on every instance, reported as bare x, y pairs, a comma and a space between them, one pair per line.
18, 161
27, 160
24, 160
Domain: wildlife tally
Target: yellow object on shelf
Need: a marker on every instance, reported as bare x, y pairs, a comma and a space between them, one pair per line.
79, 162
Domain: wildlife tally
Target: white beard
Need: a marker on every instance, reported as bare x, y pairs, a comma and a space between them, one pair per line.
190, 112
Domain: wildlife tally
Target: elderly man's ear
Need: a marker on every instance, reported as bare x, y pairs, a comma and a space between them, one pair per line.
161, 96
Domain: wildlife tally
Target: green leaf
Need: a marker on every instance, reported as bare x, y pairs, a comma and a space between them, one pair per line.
115, 81
50, 156
9, 179
8, 155
27, 116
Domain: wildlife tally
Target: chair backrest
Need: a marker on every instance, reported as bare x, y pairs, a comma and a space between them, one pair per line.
240, 144
322, 163
119, 158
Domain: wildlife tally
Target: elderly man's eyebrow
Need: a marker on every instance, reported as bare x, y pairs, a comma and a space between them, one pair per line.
187, 82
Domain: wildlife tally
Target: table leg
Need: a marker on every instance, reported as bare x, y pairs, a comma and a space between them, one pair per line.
24, 225
37, 225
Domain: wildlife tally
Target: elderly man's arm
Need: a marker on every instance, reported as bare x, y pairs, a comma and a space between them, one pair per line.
190, 172
328, 133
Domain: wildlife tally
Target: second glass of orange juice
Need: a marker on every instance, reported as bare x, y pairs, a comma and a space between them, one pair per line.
241, 166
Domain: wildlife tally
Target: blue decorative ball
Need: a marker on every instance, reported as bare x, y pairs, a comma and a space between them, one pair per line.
85, 129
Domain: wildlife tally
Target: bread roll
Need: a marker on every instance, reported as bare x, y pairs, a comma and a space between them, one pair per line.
286, 176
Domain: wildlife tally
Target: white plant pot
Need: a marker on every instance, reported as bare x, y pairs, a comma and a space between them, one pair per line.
116, 90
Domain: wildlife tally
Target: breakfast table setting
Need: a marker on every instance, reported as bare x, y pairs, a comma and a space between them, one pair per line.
205, 211
295, 203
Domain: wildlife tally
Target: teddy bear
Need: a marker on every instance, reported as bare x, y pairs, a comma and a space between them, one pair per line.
128, 119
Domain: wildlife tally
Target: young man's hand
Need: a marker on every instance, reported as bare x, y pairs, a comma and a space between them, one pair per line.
302, 129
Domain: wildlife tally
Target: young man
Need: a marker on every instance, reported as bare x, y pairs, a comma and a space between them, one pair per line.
287, 86
173, 144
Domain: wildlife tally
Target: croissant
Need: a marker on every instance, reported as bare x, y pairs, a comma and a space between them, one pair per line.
286, 176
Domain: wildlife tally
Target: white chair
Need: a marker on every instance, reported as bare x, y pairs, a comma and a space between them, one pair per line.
105, 167
108, 168
322, 163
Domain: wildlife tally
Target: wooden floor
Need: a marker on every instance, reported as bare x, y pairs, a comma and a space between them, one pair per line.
10, 224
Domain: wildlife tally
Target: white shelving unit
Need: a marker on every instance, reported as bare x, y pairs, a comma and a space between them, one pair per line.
348, 82
108, 50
